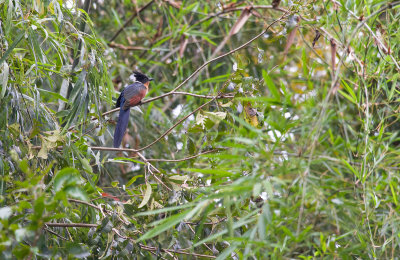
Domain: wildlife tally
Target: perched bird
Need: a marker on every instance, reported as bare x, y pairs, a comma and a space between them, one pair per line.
131, 96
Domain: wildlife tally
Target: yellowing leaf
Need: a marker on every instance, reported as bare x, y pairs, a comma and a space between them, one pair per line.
200, 120
216, 117
147, 195
251, 114
179, 177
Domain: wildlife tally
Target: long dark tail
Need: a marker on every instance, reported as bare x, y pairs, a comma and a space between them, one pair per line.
122, 124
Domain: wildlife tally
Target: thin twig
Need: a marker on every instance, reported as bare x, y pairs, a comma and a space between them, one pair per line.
70, 225
130, 20
159, 138
239, 9
127, 48
151, 248
172, 92
207, 223
216, 58
85, 203
364, 23
152, 173
54, 233
183, 159
159, 97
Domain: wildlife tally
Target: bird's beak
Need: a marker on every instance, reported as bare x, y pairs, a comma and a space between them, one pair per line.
151, 79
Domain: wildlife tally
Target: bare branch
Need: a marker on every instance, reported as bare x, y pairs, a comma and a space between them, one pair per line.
183, 159
54, 233
152, 248
70, 225
152, 173
127, 48
217, 58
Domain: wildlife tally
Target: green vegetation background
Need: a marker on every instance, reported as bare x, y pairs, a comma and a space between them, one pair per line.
276, 136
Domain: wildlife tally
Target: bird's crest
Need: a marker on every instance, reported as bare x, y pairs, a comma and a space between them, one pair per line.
139, 77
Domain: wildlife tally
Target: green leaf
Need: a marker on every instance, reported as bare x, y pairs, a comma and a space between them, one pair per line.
236, 225
134, 178
54, 94
164, 225
356, 173
271, 86
13, 45
116, 159
79, 251
163, 210
77, 192
65, 177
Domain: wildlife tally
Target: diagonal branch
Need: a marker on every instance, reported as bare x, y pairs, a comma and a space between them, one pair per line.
70, 225
130, 20
184, 159
217, 58
159, 138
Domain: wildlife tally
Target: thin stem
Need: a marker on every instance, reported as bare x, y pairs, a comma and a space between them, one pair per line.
70, 225
183, 159
130, 20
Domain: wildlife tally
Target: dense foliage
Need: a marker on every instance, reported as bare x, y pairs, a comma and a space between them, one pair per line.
270, 130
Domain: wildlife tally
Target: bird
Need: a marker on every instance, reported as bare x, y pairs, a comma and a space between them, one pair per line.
130, 96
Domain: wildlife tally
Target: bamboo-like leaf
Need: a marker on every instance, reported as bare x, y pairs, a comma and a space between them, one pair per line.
164, 225
12, 46
271, 86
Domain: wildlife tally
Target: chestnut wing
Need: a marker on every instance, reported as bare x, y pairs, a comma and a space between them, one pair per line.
133, 94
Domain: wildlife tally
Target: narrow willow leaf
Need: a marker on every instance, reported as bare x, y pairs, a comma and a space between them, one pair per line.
131, 181
271, 86
164, 225
158, 211
350, 90
350, 98
13, 45
354, 171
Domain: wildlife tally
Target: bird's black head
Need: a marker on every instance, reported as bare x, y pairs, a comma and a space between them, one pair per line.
140, 77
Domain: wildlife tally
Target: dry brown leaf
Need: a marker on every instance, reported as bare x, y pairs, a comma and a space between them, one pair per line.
333, 55
290, 40
317, 35
256, 13
381, 35
159, 30
176, 4
291, 37
236, 28
183, 46
245, 15
232, 5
